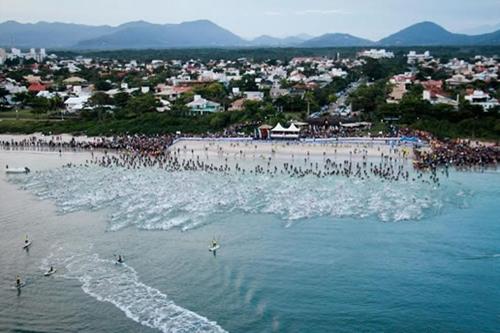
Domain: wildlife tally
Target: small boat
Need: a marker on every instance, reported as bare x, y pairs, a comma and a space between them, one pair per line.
17, 171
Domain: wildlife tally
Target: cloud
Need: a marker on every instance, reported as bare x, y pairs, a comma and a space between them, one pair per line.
320, 12
306, 12
274, 13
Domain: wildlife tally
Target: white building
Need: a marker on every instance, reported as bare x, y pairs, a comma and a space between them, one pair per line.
76, 104
201, 105
414, 57
15, 52
254, 95
3, 56
376, 54
483, 99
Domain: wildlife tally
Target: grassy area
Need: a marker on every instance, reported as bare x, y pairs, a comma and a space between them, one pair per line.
28, 114
154, 123
146, 124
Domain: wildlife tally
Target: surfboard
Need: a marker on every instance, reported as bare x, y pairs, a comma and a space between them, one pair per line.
19, 286
214, 248
26, 245
49, 273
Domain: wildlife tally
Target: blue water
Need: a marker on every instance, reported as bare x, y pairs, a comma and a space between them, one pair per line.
419, 259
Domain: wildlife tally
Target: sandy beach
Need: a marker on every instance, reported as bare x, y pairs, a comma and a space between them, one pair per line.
287, 150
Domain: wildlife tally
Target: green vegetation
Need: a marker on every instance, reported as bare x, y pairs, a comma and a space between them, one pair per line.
278, 53
442, 120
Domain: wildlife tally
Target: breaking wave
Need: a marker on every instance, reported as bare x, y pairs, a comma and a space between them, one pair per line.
156, 199
119, 285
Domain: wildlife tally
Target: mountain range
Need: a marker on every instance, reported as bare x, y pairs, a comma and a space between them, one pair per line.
204, 33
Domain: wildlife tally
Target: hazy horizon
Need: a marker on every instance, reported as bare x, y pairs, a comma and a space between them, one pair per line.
276, 18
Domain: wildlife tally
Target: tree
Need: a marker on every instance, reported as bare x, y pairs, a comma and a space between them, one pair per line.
142, 104
121, 99
213, 91
103, 85
99, 99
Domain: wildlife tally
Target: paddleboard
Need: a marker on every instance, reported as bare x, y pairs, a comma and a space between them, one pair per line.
214, 248
26, 245
16, 171
50, 273
19, 286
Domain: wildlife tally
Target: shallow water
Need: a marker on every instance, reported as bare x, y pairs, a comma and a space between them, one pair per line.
297, 255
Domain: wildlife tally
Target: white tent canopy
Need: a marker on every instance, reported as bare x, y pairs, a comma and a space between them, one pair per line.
278, 128
293, 128
279, 132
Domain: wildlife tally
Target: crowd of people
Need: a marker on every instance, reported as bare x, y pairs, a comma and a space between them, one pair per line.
144, 144
459, 154
388, 167
135, 150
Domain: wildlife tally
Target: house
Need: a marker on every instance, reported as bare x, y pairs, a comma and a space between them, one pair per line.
46, 94
397, 93
414, 57
172, 92
165, 106
457, 80
201, 105
254, 95
376, 54
76, 104
434, 97
36, 87
32, 79
483, 99
237, 105
276, 91
74, 80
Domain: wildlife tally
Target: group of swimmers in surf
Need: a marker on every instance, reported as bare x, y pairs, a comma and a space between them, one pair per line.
389, 166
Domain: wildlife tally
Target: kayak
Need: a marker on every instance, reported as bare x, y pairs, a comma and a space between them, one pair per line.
214, 248
17, 171
49, 273
27, 245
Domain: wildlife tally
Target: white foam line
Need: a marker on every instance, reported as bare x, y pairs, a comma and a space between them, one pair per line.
119, 285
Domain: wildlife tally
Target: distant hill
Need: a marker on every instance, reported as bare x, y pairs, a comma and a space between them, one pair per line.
49, 35
336, 40
432, 34
266, 40
204, 33
138, 35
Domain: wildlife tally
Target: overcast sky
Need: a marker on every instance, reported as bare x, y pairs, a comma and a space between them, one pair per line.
249, 18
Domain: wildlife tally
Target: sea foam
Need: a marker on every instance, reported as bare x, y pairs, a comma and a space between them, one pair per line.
119, 285
155, 199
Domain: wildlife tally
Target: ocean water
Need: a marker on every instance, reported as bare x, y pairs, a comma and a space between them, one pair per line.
297, 255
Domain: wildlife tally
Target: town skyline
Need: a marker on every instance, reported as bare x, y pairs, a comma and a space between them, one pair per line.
280, 18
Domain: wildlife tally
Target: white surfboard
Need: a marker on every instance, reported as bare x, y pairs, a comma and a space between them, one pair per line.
49, 273
214, 248
26, 245
18, 287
